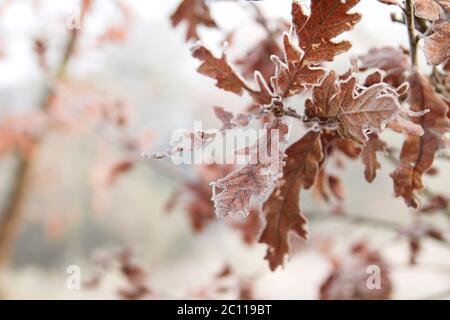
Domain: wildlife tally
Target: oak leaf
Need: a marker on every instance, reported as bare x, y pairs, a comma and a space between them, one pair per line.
354, 112
282, 209
437, 45
195, 13
393, 61
328, 19
349, 277
293, 76
227, 78
253, 180
418, 152
369, 156
427, 9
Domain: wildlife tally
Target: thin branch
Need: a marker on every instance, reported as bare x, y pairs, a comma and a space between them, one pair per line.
366, 221
409, 16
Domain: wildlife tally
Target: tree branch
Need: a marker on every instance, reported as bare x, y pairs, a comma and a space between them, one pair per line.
409, 16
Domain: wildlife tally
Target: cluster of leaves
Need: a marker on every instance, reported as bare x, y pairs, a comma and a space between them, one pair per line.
341, 116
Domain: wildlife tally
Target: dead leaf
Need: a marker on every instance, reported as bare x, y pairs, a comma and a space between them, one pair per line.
293, 76
328, 19
393, 61
427, 9
282, 210
336, 102
437, 45
418, 152
227, 78
369, 156
195, 13
349, 277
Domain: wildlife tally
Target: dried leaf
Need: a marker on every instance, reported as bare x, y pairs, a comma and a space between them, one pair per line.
328, 19
195, 13
393, 61
293, 76
369, 156
336, 102
418, 152
225, 117
253, 180
349, 278
258, 59
402, 125
437, 45
225, 76
427, 9
282, 210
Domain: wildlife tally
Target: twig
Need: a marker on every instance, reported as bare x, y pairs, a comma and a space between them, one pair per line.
409, 16
367, 221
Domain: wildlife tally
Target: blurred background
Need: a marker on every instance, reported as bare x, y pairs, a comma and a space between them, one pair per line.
129, 82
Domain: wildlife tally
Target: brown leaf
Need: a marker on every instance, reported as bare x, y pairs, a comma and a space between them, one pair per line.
195, 13
225, 76
418, 152
369, 156
282, 210
427, 9
225, 117
293, 76
336, 187
253, 180
393, 61
437, 45
336, 102
328, 19
402, 125
258, 58
250, 227
327, 183
349, 278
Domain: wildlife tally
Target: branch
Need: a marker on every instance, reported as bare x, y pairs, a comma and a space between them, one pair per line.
409, 16
367, 221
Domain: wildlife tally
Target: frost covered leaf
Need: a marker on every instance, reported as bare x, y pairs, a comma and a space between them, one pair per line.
282, 209
393, 61
402, 125
336, 102
427, 9
238, 188
418, 152
293, 76
258, 58
253, 180
369, 156
349, 278
226, 77
195, 13
328, 19
225, 117
437, 45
